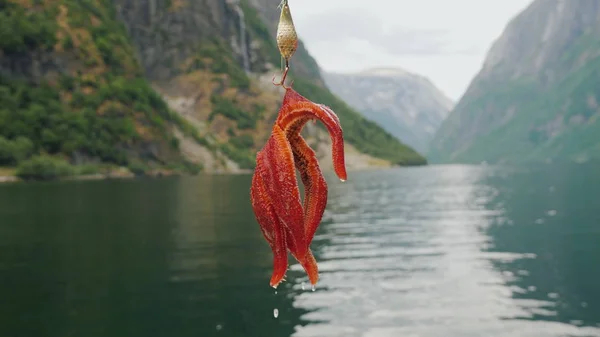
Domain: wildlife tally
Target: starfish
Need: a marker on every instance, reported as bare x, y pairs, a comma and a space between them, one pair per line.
287, 223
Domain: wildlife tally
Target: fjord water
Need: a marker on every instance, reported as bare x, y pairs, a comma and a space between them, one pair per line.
437, 251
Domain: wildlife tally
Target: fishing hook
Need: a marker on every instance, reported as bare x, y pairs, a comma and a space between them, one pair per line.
283, 77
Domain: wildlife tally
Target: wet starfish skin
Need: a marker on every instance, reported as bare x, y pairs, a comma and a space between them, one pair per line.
286, 223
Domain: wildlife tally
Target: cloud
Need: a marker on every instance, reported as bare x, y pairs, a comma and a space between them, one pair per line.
341, 23
443, 40
343, 26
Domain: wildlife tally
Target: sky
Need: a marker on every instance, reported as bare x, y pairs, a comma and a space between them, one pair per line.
444, 40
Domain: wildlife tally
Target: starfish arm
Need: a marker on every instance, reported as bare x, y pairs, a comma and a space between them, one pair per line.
261, 205
309, 263
310, 266
315, 196
271, 227
315, 186
297, 110
279, 175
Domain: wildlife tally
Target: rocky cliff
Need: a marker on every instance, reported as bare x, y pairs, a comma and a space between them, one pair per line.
206, 59
155, 83
406, 105
71, 87
215, 69
536, 96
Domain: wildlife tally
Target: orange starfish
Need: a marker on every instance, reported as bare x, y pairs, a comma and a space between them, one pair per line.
285, 223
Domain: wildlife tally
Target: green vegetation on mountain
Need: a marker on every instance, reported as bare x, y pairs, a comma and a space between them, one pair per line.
537, 98
233, 97
97, 108
559, 122
76, 95
215, 56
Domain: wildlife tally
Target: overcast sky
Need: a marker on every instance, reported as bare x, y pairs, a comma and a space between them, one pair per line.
445, 40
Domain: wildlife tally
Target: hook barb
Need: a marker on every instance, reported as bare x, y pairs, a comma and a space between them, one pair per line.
282, 82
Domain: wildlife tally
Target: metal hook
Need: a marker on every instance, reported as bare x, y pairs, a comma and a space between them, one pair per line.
282, 82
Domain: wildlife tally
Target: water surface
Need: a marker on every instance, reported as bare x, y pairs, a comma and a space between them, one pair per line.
437, 251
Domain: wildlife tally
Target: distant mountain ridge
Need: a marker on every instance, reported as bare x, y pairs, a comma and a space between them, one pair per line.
407, 105
536, 96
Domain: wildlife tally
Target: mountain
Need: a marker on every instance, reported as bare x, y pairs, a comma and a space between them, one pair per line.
536, 96
155, 84
71, 87
363, 134
406, 105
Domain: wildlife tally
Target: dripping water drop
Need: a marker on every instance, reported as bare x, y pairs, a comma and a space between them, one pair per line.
303, 287
313, 288
342, 180
275, 313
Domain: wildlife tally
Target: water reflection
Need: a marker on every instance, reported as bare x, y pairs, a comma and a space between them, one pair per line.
554, 216
407, 253
220, 264
169, 257
82, 261
438, 251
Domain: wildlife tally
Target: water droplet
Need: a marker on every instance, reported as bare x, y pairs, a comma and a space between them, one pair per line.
342, 180
552, 212
313, 288
275, 292
219, 327
531, 288
275, 313
303, 286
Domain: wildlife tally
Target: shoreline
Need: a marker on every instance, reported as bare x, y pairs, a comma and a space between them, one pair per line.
116, 174
122, 174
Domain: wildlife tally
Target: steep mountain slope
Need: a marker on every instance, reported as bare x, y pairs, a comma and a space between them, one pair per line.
202, 57
536, 97
243, 33
406, 105
162, 83
70, 86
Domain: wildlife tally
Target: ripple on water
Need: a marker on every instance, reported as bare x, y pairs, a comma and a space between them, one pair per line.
409, 257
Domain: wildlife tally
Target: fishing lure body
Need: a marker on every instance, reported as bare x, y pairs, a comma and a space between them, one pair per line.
287, 38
